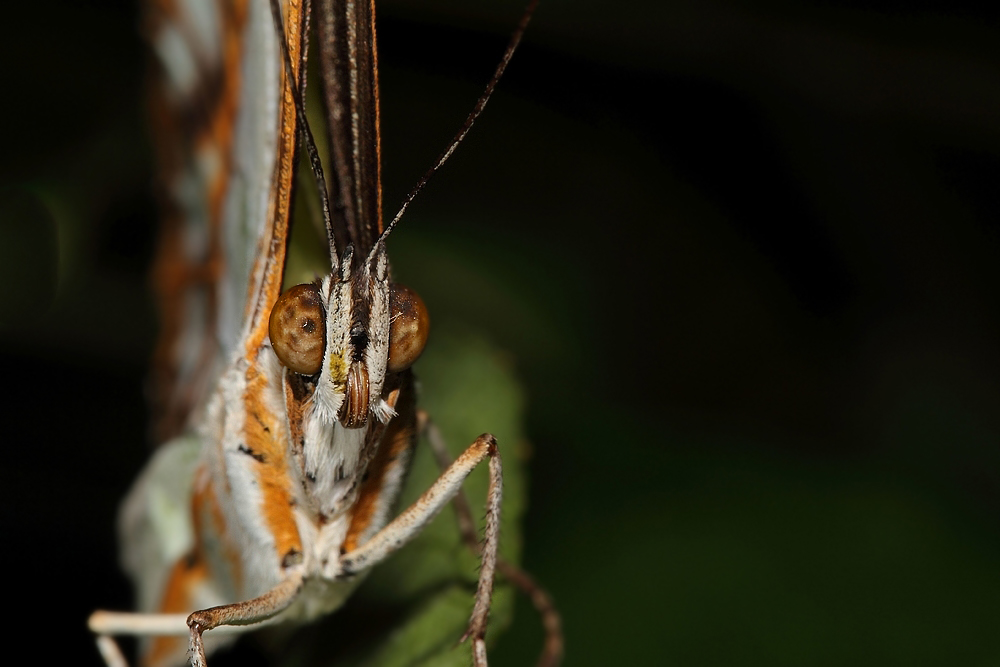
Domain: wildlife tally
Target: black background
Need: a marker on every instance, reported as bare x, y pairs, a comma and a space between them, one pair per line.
745, 255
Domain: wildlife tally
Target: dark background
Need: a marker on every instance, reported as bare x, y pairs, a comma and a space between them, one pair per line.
744, 253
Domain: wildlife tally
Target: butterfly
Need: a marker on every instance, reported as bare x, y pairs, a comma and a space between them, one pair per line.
289, 417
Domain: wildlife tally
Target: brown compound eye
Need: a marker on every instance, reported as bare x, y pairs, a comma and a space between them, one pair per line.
298, 329
409, 325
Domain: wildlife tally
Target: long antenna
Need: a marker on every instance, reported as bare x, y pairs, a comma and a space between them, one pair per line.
515, 39
298, 94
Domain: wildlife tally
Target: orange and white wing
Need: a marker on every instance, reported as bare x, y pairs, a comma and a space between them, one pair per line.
224, 130
223, 179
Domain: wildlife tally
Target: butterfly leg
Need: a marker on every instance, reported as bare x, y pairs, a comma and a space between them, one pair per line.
248, 612
241, 614
105, 624
552, 652
110, 652
411, 521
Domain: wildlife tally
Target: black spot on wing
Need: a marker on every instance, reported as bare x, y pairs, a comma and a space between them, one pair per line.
293, 557
251, 453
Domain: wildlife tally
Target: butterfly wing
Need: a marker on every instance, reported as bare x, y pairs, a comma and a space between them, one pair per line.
224, 130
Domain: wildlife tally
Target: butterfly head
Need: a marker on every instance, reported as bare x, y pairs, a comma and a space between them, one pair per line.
347, 332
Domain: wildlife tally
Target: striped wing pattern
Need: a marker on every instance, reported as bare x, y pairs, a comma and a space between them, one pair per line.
224, 128
224, 182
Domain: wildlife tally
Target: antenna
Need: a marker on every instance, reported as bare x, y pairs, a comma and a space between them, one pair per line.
515, 39
300, 113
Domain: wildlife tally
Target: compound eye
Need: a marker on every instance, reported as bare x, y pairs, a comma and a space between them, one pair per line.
409, 325
298, 329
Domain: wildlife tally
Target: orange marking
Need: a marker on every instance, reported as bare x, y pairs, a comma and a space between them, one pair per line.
267, 436
205, 506
271, 248
180, 134
399, 437
186, 574
192, 570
